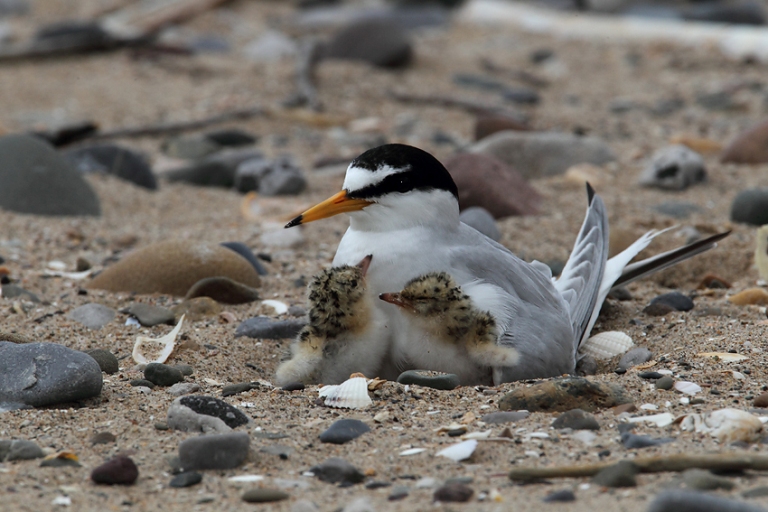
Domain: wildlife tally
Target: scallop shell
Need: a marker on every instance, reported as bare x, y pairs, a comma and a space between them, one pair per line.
606, 345
459, 451
168, 342
350, 394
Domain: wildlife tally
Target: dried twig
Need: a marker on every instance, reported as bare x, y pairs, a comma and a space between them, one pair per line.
678, 462
473, 107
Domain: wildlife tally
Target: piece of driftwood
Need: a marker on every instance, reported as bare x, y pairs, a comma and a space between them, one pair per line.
734, 461
473, 107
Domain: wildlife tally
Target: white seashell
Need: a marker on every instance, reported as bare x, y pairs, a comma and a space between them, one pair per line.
412, 451
477, 435
727, 425
585, 436
279, 307
57, 265
606, 345
685, 400
132, 322
689, 388
660, 420
350, 394
664, 371
649, 407
536, 435
61, 501
532, 453
167, 342
212, 382
459, 451
76, 276
245, 478
725, 357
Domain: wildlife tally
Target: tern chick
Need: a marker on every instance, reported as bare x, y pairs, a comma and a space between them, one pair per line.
341, 337
440, 308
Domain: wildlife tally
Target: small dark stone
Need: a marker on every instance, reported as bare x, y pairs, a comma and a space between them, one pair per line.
231, 137
12, 291
106, 359
621, 474
162, 374
456, 492
185, 369
343, 431
658, 309
633, 441
521, 96
119, 161
434, 380
576, 419
266, 328
383, 43
243, 250
142, 382
704, 480
223, 289
751, 206
293, 386
186, 479
103, 438
236, 389
264, 495
675, 300
337, 470
118, 471
625, 427
666, 383
377, 484
650, 375
620, 293
695, 501
586, 365
563, 495
211, 406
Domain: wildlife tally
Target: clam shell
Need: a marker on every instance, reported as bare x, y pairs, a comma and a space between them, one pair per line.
459, 451
725, 357
350, 394
606, 345
167, 342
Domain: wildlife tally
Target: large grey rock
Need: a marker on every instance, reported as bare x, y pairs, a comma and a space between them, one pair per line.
35, 179
543, 154
40, 374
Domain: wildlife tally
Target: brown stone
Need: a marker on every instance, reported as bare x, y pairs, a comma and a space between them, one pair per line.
559, 395
198, 308
223, 289
488, 124
630, 407
756, 296
486, 181
750, 147
761, 400
172, 267
713, 281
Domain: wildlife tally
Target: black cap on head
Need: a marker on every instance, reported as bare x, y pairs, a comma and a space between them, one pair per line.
421, 171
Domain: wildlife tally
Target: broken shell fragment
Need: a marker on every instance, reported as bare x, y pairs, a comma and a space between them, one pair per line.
167, 342
459, 451
725, 357
688, 388
727, 425
279, 307
350, 394
660, 420
606, 345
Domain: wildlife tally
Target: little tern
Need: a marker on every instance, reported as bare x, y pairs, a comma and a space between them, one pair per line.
403, 209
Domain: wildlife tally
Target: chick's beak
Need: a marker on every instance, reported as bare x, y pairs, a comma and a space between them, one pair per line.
338, 203
398, 300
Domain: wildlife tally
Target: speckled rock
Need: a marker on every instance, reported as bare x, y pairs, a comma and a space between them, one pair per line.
337, 470
106, 359
675, 167
223, 289
563, 395
198, 413
172, 267
222, 451
93, 316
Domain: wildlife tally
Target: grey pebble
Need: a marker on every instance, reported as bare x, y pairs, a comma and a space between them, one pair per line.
343, 431
692, 501
666, 383
398, 492
504, 417
185, 369
113, 159
751, 207
337, 470
482, 220
162, 374
633, 441
621, 474
264, 495
266, 328
453, 492
186, 479
103, 438
142, 382
221, 451
703, 480
675, 300
576, 419
92, 315
12, 291
634, 357
198, 413
149, 315
244, 251
20, 449
40, 374
563, 495
674, 167
236, 389
434, 380
183, 388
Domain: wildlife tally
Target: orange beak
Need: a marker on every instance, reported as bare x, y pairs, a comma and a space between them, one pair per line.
334, 205
398, 300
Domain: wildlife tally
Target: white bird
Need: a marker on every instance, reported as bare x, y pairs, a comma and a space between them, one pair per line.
404, 210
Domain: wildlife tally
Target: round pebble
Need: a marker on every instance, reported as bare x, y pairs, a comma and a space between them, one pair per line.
106, 359
344, 431
264, 495
118, 471
666, 383
576, 419
186, 479
162, 374
455, 492
434, 380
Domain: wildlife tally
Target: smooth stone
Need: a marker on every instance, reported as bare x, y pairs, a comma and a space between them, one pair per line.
694, 501
264, 327
380, 42
198, 308
620, 293
279, 177
738, 13
40, 374
703, 480
621, 474
398, 492
142, 382
103, 438
496, 418
264, 495
454, 493
221, 451
294, 386
482, 220
119, 161
20, 449
429, 379
232, 137
756, 492
576, 419
271, 46
172, 267
658, 309
650, 375
344, 430
106, 359
199, 413
12, 291
185, 369
674, 167
244, 251
183, 388
223, 289
675, 300
751, 207
487, 182
236, 389
634, 357
216, 170
633, 441
665, 383
93, 316
677, 209
337, 470
749, 147
120, 470
282, 238
488, 124
561, 496
563, 394
761, 400
149, 315
521, 96
79, 34
544, 154
190, 147
186, 479
162, 374
35, 179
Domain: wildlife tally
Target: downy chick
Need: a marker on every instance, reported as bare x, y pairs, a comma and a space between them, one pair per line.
466, 337
345, 333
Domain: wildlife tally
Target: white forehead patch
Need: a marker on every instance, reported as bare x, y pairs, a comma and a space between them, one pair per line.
358, 178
